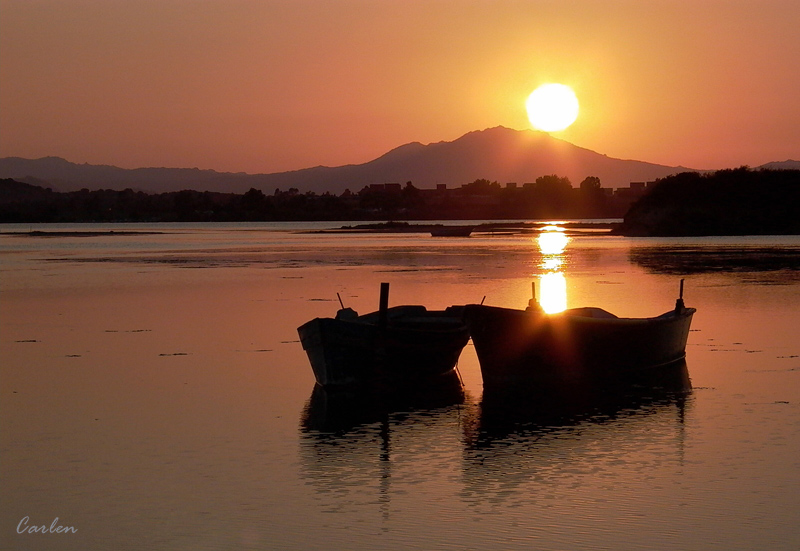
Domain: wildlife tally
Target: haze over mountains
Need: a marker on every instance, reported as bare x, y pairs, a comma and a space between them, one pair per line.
497, 154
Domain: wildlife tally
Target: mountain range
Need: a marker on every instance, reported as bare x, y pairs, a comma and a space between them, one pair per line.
497, 154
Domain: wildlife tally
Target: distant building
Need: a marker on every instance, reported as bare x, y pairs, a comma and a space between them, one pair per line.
637, 188
387, 188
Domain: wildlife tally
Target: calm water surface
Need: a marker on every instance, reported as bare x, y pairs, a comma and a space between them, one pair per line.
155, 396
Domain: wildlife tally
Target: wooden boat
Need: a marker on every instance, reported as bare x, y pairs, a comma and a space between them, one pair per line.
396, 346
451, 231
578, 345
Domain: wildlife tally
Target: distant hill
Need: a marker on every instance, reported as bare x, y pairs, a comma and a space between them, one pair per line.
782, 165
17, 192
497, 154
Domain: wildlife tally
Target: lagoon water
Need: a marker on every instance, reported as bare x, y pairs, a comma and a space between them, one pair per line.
154, 395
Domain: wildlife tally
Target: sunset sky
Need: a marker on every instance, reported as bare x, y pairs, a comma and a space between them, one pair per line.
267, 86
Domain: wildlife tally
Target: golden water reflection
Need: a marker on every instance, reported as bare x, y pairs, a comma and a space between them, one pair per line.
552, 282
553, 292
552, 264
552, 240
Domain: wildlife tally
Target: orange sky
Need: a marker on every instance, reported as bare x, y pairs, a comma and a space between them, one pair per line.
265, 86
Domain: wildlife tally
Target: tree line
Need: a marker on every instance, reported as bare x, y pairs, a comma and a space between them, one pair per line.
737, 201
549, 196
727, 202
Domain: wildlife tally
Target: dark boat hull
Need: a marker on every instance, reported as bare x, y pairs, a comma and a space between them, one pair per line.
532, 348
452, 231
414, 345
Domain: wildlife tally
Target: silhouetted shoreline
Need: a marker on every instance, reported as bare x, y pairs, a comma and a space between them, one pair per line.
67, 233
487, 228
727, 202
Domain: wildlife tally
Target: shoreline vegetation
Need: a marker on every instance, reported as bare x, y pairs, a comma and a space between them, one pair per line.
727, 202
70, 233
498, 228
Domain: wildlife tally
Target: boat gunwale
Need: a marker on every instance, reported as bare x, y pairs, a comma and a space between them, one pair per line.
670, 315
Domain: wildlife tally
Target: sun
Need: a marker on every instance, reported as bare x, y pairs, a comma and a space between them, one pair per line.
552, 107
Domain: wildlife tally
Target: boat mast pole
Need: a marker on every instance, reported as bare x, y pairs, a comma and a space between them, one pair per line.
383, 314
679, 306
533, 304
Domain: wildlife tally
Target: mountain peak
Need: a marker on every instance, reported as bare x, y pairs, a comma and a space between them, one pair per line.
788, 164
499, 153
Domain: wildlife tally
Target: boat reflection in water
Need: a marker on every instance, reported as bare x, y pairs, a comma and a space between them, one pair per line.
358, 451
503, 411
339, 410
525, 446
352, 441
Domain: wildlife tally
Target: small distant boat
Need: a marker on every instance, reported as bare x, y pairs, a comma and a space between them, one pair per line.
398, 346
575, 346
451, 231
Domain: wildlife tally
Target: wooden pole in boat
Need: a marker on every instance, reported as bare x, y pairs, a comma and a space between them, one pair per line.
340, 301
533, 304
679, 306
383, 314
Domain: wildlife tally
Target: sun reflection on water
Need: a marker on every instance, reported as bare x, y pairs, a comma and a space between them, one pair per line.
553, 292
552, 240
552, 282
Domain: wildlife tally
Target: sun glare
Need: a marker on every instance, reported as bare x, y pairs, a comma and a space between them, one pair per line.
552, 284
553, 292
552, 107
552, 242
